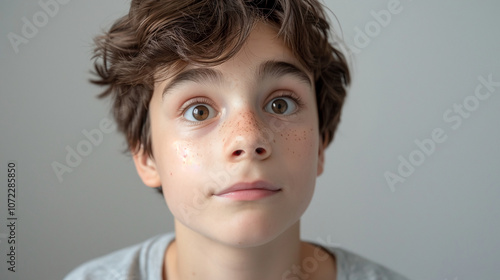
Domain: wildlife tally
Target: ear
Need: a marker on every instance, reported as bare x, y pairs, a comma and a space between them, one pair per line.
321, 156
146, 168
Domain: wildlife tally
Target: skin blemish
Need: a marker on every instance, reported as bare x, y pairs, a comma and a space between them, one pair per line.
185, 153
300, 137
241, 124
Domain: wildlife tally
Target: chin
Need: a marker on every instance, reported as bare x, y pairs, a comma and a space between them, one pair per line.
248, 233
247, 239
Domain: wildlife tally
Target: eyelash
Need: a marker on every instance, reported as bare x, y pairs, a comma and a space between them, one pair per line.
190, 103
196, 100
204, 100
290, 95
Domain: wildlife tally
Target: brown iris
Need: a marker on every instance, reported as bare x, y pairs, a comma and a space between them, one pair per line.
200, 112
279, 106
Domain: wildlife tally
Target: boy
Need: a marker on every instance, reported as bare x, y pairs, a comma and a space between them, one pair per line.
228, 107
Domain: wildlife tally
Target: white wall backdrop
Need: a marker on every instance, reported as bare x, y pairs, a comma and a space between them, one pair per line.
423, 110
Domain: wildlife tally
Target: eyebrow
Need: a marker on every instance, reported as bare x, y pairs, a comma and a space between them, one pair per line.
271, 68
197, 75
277, 69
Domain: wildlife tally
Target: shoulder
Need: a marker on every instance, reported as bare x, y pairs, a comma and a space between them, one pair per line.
140, 261
355, 267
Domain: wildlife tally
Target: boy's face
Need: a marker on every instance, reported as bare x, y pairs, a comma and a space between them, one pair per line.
251, 120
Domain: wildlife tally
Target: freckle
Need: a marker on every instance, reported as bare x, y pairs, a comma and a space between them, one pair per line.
274, 140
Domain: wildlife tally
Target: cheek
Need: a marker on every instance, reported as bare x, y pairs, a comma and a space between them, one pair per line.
184, 181
301, 143
186, 154
298, 166
182, 167
300, 150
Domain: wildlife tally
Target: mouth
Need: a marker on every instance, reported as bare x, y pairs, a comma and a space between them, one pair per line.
249, 191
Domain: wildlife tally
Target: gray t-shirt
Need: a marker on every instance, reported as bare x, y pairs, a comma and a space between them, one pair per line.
144, 261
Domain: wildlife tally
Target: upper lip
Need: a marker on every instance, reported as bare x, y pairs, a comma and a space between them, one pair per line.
257, 185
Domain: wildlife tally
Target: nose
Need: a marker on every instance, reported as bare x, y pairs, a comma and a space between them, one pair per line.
247, 138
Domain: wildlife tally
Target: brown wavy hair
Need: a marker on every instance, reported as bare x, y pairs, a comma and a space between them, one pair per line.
169, 34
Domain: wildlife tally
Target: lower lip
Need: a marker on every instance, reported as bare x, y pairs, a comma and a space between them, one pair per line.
248, 195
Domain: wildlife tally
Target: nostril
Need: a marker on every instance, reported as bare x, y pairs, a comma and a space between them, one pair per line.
260, 151
237, 152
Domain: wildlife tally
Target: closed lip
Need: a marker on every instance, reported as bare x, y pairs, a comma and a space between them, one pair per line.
257, 185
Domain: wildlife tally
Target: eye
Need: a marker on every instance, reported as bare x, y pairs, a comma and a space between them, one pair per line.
199, 112
281, 106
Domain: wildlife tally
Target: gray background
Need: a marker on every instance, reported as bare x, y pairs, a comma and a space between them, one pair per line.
441, 223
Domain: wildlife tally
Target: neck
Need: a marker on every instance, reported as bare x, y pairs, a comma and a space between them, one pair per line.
194, 256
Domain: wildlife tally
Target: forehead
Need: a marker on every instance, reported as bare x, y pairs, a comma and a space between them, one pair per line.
263, 55
263, 44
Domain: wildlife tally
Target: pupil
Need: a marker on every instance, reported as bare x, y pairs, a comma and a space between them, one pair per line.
199, 112
280, 106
